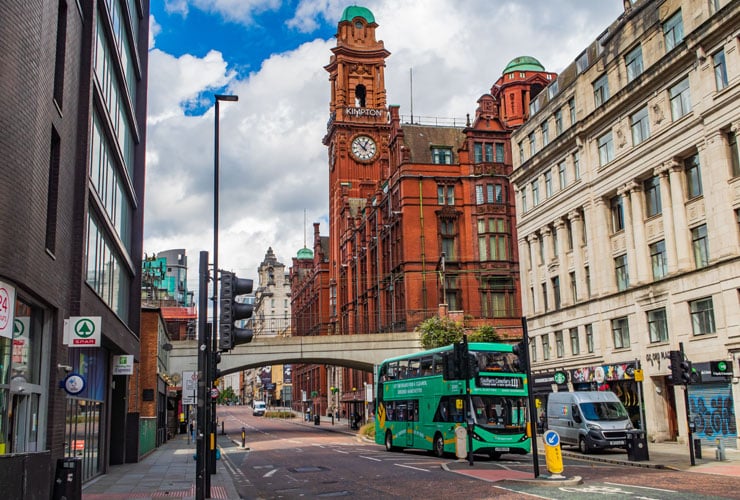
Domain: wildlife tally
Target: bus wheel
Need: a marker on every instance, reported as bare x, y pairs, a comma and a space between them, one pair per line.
389, 441
439, 446
495, 455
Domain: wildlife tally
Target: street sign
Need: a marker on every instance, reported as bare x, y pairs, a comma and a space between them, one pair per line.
189, 387
553, 455
214, 392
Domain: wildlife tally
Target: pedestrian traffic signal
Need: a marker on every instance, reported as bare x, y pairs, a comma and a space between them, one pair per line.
520, 349
233, 311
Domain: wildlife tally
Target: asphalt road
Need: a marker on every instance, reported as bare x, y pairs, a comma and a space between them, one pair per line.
286, 459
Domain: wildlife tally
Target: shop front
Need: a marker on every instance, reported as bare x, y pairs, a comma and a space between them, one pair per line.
618, 378
711, 407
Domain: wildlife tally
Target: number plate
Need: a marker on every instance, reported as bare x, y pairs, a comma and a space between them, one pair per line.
616, 443
501, 449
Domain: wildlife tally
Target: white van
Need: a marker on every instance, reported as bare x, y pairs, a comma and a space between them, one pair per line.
590, 420
258, 408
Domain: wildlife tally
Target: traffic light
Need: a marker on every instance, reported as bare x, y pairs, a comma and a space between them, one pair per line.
520, 349
456, 362
216, 372
233, 311
681, 368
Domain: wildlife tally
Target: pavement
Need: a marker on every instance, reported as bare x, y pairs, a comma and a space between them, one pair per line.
169, 471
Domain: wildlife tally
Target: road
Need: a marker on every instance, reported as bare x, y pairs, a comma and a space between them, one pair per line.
286, 459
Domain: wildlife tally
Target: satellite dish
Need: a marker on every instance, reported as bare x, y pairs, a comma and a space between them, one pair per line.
176, 378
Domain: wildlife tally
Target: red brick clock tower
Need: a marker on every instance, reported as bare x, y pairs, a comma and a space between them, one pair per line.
357, 132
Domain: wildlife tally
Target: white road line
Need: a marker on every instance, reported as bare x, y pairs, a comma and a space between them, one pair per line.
409, 467
269, 474
643, 487
522, 492
370, 458
342, 452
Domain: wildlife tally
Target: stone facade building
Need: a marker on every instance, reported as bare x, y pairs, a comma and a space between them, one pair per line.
628, 213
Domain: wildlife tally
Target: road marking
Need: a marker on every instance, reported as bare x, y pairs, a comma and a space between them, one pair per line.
342, 452
269, 474
522, 492
409, 467
643, 487
370, 458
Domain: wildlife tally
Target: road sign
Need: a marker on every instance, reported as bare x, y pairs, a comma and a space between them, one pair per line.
214, 392
189, 387
553, 456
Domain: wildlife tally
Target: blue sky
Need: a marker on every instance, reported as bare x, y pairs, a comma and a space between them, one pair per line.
271, 54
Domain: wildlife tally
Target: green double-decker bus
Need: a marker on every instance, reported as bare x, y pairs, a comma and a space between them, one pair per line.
422, 398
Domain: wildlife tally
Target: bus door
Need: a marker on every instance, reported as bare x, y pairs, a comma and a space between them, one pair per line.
412, 417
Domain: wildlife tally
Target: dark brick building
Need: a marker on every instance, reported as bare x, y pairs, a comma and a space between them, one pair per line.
72, 112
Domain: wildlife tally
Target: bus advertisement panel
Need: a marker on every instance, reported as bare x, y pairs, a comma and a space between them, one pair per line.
419, 406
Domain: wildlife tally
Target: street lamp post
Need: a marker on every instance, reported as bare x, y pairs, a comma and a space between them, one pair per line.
214, 329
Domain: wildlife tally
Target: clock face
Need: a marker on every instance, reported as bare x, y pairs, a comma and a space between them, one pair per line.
363, 147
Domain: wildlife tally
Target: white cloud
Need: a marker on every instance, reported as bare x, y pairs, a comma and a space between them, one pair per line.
273, 164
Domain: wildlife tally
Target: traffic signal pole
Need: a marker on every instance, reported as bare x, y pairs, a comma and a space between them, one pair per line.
202, 478
688, 412
530, 398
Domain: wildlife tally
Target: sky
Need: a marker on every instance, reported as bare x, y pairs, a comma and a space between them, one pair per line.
271, 54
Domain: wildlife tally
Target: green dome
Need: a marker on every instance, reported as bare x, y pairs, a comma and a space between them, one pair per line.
523, 63
354, 11
305, 254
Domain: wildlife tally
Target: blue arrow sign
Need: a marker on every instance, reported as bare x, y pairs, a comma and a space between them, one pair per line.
552, 438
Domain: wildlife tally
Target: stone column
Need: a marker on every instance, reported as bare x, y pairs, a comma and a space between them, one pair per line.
642, 255
566, 296
524, 270
547, 258
669, 235
600, 261
718, 193
678, 197
629, 240
576, 224
533, 240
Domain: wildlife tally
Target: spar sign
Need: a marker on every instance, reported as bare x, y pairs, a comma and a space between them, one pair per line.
7, 309
82, 331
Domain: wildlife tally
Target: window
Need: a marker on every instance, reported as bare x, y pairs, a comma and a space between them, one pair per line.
442, 156
575, 345
720, 70
545, 127
573, 285
633, 61
590, 337
497, 194
546, 346
556, 291
606, 148
673, 31
534, 106
558, 117
657, 326
588, 280
559, 344
544, 296
572, 110
700, 244
552, 90
680, 99
524, 199
493, 239
445, 195
582, 62
640, 125
621, 333
52, 193
535, 192
548, 184
533, 350
500, 152
601, 90
658, 260
479, 195
521, 151
478, 152
498, 298
652, 196
452, 293
621, 272
532, 144
702, 316
734, 153
561, 175
448, 234
617, 212
488, 152
693, 177
576, 165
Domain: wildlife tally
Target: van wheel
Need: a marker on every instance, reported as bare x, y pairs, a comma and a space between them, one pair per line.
582, 445
389, 441
439, 446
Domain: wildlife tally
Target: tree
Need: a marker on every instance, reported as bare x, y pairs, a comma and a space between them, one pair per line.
439, 332
226, 396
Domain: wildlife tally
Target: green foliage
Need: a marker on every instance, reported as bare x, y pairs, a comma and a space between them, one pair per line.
438, 332
226, 396
485, 333
368, 430
279, 414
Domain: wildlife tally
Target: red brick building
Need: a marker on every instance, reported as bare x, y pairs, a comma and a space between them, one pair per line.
421, 216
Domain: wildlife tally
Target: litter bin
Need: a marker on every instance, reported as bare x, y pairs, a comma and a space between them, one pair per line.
316, 419
697, 448
637, 449
68, 479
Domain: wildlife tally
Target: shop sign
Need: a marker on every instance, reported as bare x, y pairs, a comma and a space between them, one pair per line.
560, 378
7, 309
82, 331
74, 384
123, 364
720, 368
604, 373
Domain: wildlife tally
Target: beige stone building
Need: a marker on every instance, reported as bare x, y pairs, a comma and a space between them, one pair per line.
628, 189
